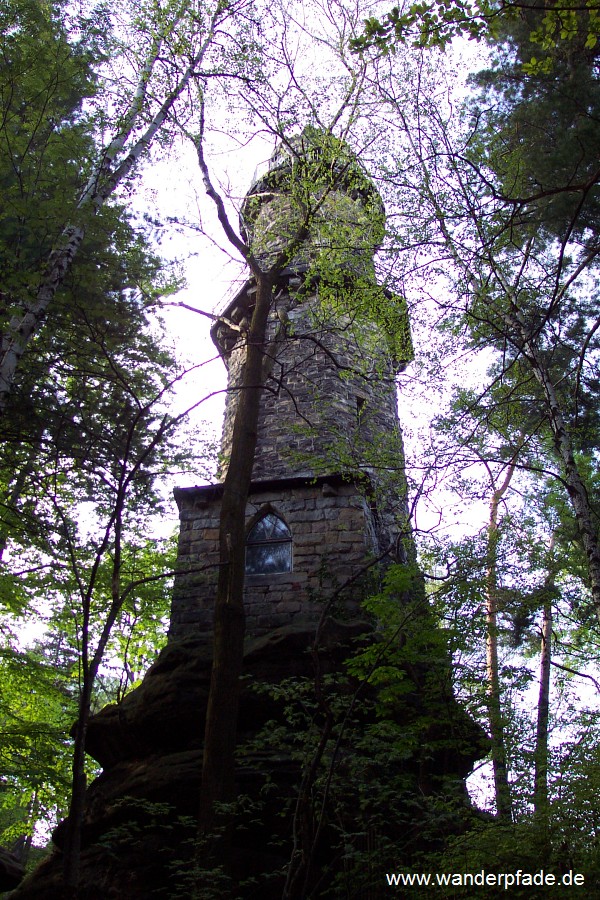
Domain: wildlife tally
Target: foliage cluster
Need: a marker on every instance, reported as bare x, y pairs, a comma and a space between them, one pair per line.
437, 23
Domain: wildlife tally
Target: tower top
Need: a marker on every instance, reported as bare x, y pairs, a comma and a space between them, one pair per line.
313, 181
314, 198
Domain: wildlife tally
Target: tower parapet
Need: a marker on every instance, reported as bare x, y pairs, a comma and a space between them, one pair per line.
314, 176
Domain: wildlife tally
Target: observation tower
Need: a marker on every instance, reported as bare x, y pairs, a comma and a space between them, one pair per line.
327, 494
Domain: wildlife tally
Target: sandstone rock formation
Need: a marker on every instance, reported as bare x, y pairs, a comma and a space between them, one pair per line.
138, 839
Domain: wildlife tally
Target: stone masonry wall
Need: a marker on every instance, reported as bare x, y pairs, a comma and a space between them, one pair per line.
329, 461
330, 400
333, 535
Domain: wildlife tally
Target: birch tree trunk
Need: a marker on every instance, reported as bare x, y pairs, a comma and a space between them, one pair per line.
540, 790
107, 175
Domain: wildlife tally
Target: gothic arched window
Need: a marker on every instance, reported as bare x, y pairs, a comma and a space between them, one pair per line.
269, 547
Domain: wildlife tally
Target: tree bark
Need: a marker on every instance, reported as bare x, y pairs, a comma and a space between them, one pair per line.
540, 791
72, 849
495, 717
587, 520
515, 330
21, 328
218, 772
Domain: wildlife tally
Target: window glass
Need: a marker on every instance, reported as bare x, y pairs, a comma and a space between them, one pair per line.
269, 547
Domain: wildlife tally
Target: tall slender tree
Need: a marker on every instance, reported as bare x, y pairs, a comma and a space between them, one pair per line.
140, 76
318, 164
519, 293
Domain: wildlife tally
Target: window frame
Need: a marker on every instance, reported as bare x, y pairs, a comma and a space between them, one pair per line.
285, 540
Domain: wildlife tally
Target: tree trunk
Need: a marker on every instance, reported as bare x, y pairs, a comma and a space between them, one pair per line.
576, 489
72, 850
218, 770
12, 495
495, 718
22, 327
540, 792
519, 335
107, 175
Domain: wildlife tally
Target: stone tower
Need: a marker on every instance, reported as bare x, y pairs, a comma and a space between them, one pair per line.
327, 491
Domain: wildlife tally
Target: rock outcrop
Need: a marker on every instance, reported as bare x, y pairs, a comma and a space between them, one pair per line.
11, 870
138, 836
